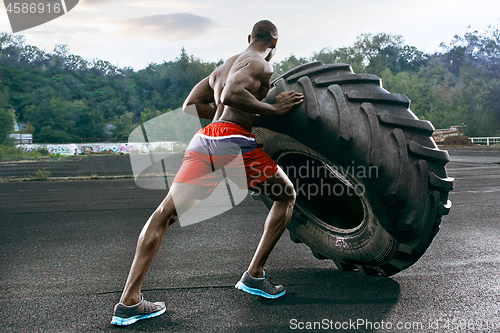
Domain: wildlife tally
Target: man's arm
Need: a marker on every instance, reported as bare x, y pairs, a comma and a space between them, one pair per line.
243, 84
198, 101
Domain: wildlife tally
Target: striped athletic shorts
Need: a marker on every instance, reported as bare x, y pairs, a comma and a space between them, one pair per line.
224, 149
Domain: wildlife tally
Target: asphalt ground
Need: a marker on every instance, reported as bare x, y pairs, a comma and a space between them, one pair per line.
68, 166
66, 247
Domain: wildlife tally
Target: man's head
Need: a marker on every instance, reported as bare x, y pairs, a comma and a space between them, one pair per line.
265, 32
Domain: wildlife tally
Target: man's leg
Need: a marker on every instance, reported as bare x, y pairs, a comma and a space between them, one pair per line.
186, 196
280, 189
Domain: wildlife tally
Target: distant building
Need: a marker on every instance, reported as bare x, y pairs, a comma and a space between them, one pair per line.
19, 126
22, 138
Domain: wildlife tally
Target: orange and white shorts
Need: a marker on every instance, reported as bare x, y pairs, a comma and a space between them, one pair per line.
224, 149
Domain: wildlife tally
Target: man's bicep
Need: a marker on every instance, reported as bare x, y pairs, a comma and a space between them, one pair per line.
201, 93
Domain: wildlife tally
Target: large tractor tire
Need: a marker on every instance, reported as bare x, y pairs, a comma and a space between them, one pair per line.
371, 183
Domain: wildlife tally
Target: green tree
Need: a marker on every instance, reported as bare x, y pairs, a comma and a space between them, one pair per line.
341, 55
29, 129
66, 97
6, 125
285, 65
124, 124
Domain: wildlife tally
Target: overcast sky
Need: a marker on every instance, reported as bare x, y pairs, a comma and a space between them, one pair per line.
135, 33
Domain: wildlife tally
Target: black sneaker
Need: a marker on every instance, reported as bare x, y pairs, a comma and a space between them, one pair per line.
127, 315
260, 286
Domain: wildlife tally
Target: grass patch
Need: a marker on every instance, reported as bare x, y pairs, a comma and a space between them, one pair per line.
40, 175
44, 175
10, 152
180, 148
458, 141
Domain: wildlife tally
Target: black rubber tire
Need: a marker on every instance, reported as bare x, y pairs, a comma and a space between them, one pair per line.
349, 122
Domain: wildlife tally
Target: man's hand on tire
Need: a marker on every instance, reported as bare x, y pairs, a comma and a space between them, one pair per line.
287, 101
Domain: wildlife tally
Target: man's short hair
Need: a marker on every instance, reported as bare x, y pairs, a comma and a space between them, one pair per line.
265, 30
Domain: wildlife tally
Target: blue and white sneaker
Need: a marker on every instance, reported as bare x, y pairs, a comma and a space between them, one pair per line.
260, 286
127, 315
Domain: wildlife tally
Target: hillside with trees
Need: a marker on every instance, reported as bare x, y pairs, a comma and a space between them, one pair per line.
65, 98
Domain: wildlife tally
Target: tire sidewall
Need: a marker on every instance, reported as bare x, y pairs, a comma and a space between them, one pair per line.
371, 241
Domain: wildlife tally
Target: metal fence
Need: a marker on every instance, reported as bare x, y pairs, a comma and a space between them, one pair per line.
486, 141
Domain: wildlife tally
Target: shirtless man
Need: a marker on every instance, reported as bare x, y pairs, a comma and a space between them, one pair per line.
236, 89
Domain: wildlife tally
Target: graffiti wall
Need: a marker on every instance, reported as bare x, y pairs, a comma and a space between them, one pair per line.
87, 148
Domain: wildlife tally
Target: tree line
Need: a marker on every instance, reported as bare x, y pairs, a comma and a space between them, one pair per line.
65, 98
459, 85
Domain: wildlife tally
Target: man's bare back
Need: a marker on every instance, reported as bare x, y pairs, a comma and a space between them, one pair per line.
237, 88
243, 64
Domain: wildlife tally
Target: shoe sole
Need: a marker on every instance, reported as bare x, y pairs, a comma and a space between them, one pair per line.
241, 286
119, 321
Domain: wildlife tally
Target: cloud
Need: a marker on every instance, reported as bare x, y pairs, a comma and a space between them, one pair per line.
96, 2
178, 6
179, 25
93, 5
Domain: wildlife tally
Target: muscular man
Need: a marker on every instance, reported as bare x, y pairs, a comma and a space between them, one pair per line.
236, 89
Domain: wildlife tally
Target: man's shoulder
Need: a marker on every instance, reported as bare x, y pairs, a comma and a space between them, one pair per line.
246, 63
254, 66
257, 62
245, 59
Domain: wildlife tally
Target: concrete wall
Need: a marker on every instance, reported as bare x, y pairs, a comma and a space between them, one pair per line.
79, 148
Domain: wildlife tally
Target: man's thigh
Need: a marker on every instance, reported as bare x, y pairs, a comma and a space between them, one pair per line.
182, 196
277, 187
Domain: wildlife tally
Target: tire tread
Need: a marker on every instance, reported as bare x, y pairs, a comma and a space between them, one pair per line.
413, 189
440, 156
347, 79
318, 70
423, 126
387, 98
